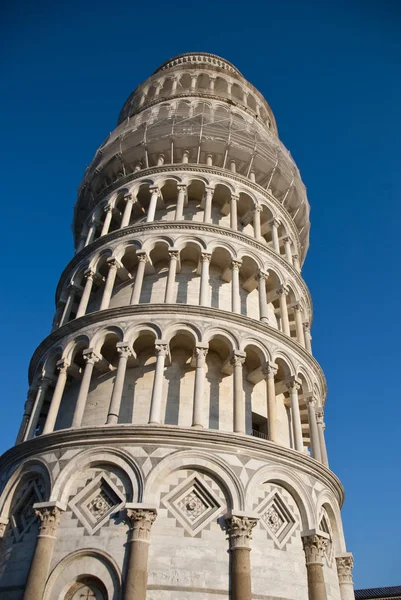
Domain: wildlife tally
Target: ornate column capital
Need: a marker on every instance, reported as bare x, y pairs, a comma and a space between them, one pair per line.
269, 370
90, 356
201, 351
89, 274
162, 348
283, 290
345, 564
153, 189
108, 208
274, 223
174, 254
182, 187
293, 384
311, 400
62, 365
209, 190
262, 275
49, 514
236, 264
142, 257
234, 198
113, 262
123, 349
319, 415
128, 197
140, 518
315, 545
287, 240
206, 256
239, 529
297, 306
237, 359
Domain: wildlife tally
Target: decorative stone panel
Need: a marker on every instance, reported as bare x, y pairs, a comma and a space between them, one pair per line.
95, 504
278, 515
23, 514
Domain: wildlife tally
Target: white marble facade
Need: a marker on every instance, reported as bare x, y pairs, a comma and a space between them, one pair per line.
172, 444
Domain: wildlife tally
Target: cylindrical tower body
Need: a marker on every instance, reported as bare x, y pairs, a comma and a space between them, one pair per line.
173, 438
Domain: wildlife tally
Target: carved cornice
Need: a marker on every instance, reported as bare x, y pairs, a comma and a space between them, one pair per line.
150, 311
170, 226
207, 439
187, 168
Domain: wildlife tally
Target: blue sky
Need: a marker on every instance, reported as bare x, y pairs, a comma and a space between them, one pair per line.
331, 72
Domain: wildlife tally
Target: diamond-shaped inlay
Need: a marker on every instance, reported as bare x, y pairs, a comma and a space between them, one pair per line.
193, 504
276, 518
97, 502
23, 514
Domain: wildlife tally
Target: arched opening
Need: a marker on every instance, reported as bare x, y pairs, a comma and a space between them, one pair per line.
179, 375
219, 384
255, 393
195, 196
188, 280
220, 279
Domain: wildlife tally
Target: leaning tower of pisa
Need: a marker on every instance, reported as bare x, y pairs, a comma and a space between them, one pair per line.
172, 443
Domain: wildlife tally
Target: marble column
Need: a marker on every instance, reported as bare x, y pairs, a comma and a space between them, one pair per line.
321, 428
256, 223
299, 326
269, 372
235, 289
162, 351
237, 361
62, 367
129, 203
83, 305
91, 232
274, 224
345, 564
140, 272
234, 212
207, 216
199, 387
204, 294
109, 285
141, 519
124, 353
313, 430
28, 407
315, 546
296, 263
172, 270
308, 337
49, 514
239, 529
293, 387
179, 213
65, 317
287, 247
263, 310
43, 385
90, 358
282, 293
106, 223
152, 204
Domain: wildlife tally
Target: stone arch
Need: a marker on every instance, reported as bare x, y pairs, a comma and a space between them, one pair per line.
257, 346
286, 478
100, 336
73, 346
185, 328
283, 360
223, 334
202, 461
135, 332
327, 502
90, 562
92, 457
31, 468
